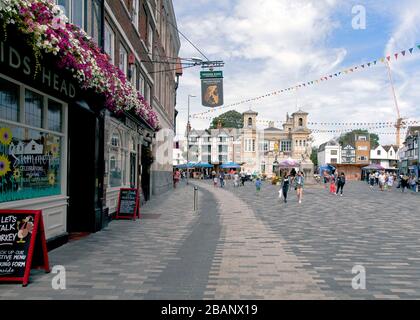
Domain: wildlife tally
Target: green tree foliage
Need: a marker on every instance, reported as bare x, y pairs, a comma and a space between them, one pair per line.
230, 119
348, 138
314, 155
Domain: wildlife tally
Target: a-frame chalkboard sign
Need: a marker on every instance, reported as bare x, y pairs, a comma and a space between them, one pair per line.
128, 204
22, 245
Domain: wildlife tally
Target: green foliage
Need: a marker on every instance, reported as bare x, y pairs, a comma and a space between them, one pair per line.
314, 156
230, 119
348, 138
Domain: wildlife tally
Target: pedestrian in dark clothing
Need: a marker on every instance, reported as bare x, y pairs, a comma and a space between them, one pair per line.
341, 181
285, 186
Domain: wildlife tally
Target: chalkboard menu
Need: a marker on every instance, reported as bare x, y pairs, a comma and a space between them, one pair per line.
22, 245
128, 204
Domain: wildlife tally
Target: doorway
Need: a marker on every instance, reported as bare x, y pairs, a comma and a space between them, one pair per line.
145, 172
85, 183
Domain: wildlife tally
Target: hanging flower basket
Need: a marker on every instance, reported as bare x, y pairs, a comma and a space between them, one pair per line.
49, 32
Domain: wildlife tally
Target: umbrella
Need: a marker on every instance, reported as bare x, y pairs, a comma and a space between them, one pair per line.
230, 165
204, 165
373, 166
185, 165
289, 163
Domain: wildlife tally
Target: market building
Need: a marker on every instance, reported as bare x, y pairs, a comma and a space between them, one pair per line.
73, 134
255, 150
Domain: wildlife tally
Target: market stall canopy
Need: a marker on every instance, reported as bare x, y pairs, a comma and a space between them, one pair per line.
328, 168
185, 165
230, 165
373, 166
203, 165
289, 163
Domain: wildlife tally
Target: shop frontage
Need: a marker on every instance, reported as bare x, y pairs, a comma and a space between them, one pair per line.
51, 146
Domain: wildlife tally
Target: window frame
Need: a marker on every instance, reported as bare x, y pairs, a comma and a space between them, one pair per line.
107, 27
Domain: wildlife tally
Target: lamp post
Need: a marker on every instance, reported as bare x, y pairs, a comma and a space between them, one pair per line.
188, 137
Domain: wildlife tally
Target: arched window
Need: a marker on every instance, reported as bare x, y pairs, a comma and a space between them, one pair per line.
249, 122
300, 122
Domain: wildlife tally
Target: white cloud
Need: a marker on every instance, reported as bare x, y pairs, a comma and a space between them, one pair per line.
271, 44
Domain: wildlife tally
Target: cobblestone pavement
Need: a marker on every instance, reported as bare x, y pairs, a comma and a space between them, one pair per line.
331, 234
241, 245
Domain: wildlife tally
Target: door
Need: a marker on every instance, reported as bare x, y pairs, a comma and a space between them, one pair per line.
85, 182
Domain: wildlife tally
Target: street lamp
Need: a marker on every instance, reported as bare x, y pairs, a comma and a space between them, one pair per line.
188, 137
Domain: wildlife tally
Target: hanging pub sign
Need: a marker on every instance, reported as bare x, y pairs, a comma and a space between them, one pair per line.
128, 204
22, 245
211, 88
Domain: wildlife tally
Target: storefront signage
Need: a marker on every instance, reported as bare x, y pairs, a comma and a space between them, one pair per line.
212, 88
128, 204
18, 61
22, 245
29, 168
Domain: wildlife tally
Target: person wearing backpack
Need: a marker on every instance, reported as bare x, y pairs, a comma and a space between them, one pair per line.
341, 181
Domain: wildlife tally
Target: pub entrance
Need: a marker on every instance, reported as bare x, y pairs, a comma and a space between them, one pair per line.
86, 170
145, 171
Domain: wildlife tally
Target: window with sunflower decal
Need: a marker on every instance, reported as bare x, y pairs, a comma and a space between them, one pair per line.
31, 136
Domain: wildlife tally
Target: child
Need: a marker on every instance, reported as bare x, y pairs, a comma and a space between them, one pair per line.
332, 185
215, 181
258, 185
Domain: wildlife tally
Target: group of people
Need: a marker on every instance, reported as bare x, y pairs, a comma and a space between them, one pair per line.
238, 178
336, 182
386, 181
292, 178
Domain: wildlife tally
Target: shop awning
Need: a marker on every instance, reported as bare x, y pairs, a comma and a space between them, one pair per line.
203, 165
230, 165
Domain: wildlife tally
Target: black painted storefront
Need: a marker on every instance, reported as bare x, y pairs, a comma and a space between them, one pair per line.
85, 170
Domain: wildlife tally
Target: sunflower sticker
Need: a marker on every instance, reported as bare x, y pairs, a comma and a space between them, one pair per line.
5, 136
16, 174
51, 178
4, 165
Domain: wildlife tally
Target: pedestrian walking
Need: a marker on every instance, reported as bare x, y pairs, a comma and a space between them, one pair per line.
371, 180
341, 181
404, 182
222, 179
215, 181
243, 178
236, 179
390, 181
332, 184
299, 183
258, 184
413, 183
285, 185
381, 178
176, 177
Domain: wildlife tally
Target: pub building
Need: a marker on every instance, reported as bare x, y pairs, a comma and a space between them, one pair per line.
54, 151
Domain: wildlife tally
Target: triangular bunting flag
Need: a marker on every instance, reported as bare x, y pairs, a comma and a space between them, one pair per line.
388, 58
368, 64
396, 56
363, 65
374, 62
418, 46
403, 53
355, 68
411, 50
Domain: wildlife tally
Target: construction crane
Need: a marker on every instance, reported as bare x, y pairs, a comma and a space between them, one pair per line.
400, 121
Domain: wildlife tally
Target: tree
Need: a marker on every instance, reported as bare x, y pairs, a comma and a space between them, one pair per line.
230, 119
348, 138
314, 156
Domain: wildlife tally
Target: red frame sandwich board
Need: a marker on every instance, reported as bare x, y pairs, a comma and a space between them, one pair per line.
124, 204
22, 245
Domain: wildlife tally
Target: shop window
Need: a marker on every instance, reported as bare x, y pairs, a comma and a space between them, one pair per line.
9, 100
30, 158
30, 163
115, 161
54, 116
33, 109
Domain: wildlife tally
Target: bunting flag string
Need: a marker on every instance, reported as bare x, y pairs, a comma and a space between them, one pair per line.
344, 124
304, 84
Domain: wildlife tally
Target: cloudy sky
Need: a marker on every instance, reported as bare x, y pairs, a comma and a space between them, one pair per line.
268, 45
